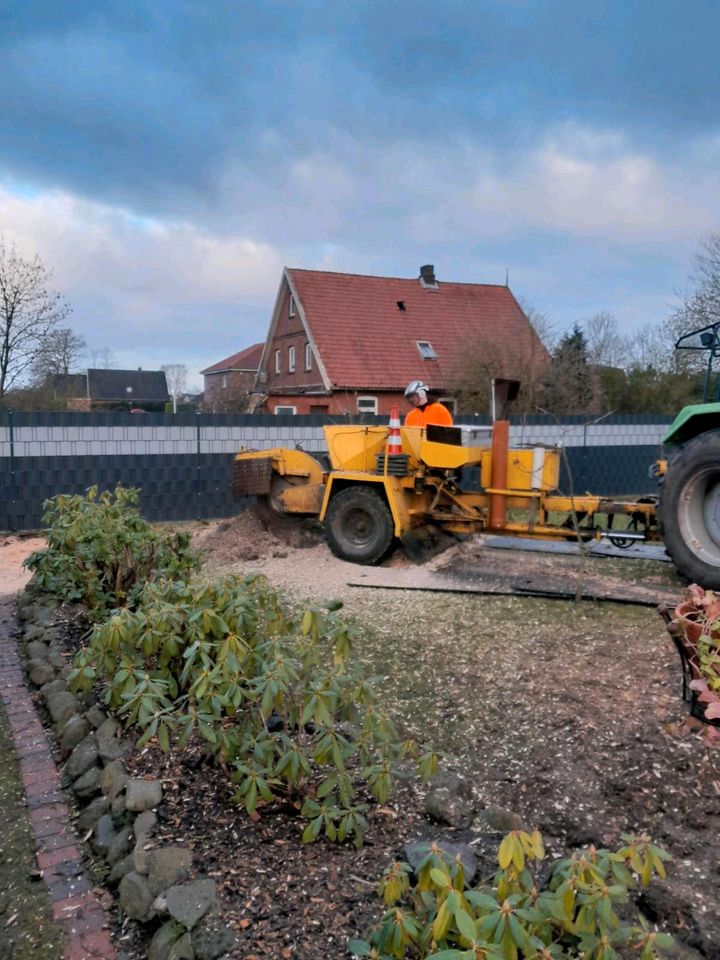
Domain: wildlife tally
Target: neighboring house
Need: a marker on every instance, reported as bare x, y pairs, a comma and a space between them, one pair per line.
232, 380
344, 343
142, 390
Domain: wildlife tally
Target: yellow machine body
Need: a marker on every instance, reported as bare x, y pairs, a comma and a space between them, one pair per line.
424, 489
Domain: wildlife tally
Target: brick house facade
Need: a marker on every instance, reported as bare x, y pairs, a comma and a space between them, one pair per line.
346, 343
229, 381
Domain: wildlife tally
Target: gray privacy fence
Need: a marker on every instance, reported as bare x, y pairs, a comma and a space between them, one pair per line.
182, 463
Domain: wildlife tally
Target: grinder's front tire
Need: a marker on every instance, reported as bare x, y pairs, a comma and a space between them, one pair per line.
358, 525
690, 510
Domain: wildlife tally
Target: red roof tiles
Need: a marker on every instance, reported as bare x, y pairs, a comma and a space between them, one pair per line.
367, 340
247, 359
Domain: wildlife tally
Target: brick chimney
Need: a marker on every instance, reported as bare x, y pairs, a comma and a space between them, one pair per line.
427, 276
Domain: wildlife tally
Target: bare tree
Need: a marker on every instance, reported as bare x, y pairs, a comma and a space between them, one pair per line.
58, 355
28, 312
606, 346
704, 303
176, 377
102, 359
236, 398
525, 359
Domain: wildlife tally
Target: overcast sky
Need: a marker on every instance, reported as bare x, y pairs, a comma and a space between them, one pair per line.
166, 159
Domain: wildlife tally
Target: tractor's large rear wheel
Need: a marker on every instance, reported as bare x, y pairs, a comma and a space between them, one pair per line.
690, 510
358, 525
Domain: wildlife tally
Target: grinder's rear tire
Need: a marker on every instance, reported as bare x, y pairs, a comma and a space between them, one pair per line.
690, 510
358, 525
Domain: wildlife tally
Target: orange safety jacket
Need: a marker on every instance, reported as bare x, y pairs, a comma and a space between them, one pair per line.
431, 413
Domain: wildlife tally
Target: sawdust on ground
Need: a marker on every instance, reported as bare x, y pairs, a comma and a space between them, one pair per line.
295, 558
13, 550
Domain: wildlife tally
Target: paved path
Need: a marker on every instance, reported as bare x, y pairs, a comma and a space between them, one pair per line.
75, 905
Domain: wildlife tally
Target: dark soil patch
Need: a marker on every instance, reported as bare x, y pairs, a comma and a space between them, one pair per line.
283, 898
255, 534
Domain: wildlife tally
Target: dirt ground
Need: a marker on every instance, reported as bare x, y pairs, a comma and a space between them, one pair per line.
566, 713
13, 550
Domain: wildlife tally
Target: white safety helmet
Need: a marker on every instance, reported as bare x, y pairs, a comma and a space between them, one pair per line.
417, 386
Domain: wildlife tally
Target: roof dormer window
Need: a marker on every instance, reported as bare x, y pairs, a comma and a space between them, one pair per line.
425, 348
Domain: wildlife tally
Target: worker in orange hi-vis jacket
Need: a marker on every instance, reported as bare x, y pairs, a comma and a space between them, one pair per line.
424, 412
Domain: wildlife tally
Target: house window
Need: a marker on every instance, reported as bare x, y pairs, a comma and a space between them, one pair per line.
450, 403
308, 357
224, 381
367, 405
277, 361
286, 409
426, 350
291, 307
291, 359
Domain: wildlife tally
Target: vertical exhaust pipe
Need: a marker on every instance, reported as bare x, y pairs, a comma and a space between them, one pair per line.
498, 473
503, 393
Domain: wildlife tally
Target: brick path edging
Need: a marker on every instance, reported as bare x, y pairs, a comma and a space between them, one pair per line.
75, 905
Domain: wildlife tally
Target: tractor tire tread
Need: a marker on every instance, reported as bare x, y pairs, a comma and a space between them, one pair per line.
697, 454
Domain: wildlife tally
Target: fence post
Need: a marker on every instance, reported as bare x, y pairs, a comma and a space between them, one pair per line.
198, 468
12, 486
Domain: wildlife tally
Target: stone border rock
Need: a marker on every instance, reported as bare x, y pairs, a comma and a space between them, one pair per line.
117, 812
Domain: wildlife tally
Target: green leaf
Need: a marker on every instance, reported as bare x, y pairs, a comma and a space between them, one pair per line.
326, 787
358, 948
452, 955
440, 877
482, 900
312, 830
251, 797
516, 931
465, 924
163, 738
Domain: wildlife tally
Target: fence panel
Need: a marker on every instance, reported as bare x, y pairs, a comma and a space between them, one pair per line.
182, 463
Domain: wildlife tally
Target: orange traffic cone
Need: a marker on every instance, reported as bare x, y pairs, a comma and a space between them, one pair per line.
394, 440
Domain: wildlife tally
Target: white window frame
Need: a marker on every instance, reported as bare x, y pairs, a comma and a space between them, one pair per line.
224, 381
366, 409
285, 409
291, 359
278, 364
308, 356
450, 403
426, 350
291, 306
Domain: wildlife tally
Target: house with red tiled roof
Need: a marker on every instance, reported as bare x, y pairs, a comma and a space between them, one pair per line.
228, 383
346, 343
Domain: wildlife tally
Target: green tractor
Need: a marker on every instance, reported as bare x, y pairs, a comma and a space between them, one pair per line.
689, 504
